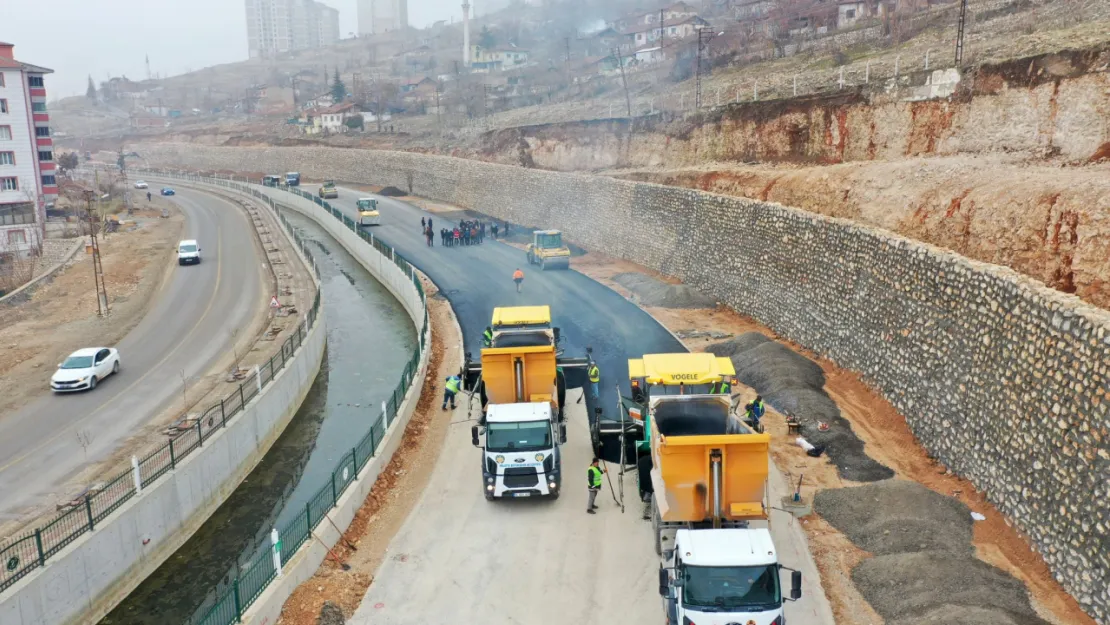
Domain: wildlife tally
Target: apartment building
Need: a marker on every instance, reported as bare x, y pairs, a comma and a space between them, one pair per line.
276, 26
27, 183
381, 16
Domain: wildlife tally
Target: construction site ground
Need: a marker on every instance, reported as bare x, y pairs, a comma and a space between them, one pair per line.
137, 264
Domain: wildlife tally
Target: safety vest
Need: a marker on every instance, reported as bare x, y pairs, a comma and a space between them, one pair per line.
453, 384
755, 409
518, 275
487, 338
595, 374
595, 476
726, 388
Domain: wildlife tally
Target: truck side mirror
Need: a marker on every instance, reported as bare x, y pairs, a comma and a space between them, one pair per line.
664, 583
795, 585
474, 438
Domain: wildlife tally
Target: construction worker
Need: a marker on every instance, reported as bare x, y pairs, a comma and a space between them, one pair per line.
593, 482
423, 225
518, 277
487, 337
754, 411
450, 389
595, 377
724, 387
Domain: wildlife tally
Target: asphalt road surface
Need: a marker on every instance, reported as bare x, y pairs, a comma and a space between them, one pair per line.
186, 329
460, 558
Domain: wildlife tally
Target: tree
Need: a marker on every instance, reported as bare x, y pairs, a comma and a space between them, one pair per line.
338, 89
67, 161
355, 122
90, 93
486, 38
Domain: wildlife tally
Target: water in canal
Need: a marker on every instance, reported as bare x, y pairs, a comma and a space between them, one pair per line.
370, 337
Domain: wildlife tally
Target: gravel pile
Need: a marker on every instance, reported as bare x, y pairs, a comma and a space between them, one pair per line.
924, 571
392, 192
652, 292
794, 385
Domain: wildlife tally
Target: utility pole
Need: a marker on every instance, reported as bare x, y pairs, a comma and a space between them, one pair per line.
98, 268
624, 80
661, 30
703, 37
960, 33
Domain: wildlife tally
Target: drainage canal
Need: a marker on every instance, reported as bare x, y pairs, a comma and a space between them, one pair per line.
370, 337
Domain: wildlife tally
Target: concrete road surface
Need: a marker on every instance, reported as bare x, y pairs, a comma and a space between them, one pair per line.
186, 329
460, 558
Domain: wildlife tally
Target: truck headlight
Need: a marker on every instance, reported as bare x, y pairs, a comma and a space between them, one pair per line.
551, 485
489, 487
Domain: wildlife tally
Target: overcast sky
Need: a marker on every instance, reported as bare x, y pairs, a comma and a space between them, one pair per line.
77, 38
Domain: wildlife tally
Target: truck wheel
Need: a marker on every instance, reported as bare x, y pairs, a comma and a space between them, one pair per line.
555, 495
489, 496
543, 264
531, 259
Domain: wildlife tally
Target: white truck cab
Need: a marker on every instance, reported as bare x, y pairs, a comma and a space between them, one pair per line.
521, 453
724, 576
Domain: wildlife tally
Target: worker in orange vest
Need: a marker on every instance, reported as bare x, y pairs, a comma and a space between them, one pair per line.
518, 277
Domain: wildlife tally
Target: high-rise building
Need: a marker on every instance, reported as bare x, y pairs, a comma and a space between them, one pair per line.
381, 16
27, 181
275, 26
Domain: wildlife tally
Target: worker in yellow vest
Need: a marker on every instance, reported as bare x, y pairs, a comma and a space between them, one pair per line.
595, 377
593, 481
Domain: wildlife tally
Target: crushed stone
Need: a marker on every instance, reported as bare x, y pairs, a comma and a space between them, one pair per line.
794, 385
652, 292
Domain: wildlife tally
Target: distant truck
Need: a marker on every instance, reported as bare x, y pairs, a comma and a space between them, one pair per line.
271, 181
522, 387
368, 214
292, 179
703, 475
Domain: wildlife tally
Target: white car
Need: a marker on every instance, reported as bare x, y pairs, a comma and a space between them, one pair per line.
141, 184
84, 368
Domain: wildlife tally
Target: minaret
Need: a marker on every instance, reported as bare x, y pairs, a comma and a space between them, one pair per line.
466, 33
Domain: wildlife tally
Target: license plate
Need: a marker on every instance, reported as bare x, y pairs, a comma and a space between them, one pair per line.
522, 494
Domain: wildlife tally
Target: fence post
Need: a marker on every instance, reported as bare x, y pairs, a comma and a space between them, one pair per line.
242, 401
354, 458
223, 415
275, 540
795, 84
200, 435
308, 514
38, 543
867, 73
88, 511
334, 491
927, 59
238, 601
841, 81
755, 90
258, 374
138, 477
897, 60
173, 460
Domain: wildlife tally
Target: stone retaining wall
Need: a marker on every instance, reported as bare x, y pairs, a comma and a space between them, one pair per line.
1000, 378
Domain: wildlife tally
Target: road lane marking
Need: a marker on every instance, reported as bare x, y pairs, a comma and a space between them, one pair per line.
150, 370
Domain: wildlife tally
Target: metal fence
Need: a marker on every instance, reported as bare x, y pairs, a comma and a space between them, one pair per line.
21, 554
258, 564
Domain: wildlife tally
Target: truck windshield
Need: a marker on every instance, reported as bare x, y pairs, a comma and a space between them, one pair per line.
731, 588
550, 241
525, 436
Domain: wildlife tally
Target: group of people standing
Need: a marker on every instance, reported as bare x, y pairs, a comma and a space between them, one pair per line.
467, 232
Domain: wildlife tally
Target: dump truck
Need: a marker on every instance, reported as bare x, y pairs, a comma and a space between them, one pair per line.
292, 179
521, 383
548, 251
368, 214
702, 473
328, 190
271, 181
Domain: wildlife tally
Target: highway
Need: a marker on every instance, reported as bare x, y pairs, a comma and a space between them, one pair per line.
461, 558
54, 437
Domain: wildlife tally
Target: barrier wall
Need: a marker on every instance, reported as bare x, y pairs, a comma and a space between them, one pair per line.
99, 565
1003, 380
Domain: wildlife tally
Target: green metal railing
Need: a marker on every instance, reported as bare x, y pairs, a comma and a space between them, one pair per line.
257, 566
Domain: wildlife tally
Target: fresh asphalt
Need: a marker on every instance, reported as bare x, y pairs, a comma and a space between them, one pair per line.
186, 330
478, 278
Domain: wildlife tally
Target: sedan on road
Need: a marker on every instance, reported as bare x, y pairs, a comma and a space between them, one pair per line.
84, 368
141, 184
167, 191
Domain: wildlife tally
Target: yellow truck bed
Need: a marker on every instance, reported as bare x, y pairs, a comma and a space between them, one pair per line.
498, 366
682, 480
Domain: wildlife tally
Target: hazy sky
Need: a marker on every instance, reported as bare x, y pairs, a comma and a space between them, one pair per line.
77, 38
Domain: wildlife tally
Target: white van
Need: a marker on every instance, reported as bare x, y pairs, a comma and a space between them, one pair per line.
188, 252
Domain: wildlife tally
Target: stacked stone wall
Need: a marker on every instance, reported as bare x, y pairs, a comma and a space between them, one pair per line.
1000, 378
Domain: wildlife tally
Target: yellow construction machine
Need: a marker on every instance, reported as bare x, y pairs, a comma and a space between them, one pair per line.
548, 250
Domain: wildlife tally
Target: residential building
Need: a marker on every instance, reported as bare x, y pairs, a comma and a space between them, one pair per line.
678, 28
382, 16
333, 120
851, 11
276, 26
496, 58
27, 183
649, 56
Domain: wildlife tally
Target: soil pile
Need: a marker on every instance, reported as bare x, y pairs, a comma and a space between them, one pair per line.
794, 385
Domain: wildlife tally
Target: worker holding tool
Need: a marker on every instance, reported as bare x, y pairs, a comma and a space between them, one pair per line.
593, 477
595, 377
487, 337
450, 389
754, 411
